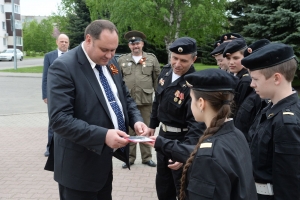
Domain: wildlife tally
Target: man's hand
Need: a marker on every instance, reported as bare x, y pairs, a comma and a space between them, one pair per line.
141, 129
151, 132
45, 101
116, 138
175, 165
151, 143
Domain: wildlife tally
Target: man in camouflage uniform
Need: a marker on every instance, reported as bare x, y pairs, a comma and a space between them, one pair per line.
140, 71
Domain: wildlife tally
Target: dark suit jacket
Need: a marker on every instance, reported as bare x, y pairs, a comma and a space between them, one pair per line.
48, 60
80, 119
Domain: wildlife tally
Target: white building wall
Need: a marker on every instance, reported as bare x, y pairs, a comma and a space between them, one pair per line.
3, 33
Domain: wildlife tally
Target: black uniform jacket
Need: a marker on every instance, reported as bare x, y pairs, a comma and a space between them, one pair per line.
171, 110
221, 168
247, 103
80, 119
275, 147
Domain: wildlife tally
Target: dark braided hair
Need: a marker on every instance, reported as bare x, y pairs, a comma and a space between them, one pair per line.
220, 103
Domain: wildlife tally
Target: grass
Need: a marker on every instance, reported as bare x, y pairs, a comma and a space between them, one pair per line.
36, 69
200, 66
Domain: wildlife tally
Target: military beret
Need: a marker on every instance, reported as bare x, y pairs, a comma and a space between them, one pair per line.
229, 36
256, 46
211, 80
217, 43
134, 36
219, 49
268, 56
234, 46
183, 45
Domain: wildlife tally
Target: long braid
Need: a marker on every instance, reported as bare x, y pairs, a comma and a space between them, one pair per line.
215, 125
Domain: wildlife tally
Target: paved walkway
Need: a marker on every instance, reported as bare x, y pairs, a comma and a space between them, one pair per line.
23, 133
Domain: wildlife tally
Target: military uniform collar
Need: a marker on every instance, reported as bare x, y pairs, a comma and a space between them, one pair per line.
281, 105
241, 73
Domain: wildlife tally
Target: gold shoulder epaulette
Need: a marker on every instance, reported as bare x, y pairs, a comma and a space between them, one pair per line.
245, 75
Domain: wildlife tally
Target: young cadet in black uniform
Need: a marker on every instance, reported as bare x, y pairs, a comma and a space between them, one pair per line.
275, 145
171, 108
217, 53
244, 111
219, 165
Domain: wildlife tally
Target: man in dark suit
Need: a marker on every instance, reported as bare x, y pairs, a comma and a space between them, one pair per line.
62, 43
90, 110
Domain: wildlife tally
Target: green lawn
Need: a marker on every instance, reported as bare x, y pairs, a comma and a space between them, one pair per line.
37, 69
200, 66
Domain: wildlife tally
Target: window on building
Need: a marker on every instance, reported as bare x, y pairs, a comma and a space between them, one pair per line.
4, 41
3, 26
2, 8
18, 24
19, 41
17, 8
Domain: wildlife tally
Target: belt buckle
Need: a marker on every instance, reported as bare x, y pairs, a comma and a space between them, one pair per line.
164, 128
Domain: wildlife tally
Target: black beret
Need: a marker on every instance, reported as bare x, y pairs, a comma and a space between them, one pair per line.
217, 43
234, 46
183, 45
268, 56
256, 46
219, 49
134, 36
229, 36
211, 80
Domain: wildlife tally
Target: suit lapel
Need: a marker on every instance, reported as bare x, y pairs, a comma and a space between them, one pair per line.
90, 76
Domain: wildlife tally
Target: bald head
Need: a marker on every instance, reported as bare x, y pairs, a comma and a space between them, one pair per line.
62, 42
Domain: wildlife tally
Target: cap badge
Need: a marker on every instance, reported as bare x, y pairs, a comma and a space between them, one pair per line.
129, 64
231, 36
133, 38
180, 49
249, 50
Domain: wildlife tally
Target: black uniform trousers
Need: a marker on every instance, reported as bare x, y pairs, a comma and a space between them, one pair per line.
265, 197
104, 194
168, 180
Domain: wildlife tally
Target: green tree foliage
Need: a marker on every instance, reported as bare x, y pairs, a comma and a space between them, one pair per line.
78, 17
276, 20
38, 36
163, 21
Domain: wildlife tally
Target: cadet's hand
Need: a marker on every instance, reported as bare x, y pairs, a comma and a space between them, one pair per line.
151, 143
141, 129
45, 101
175, 165
116, 138
152, 131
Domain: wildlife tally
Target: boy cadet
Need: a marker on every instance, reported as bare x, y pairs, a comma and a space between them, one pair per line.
234, 52
140, 71
275, 145
217, 53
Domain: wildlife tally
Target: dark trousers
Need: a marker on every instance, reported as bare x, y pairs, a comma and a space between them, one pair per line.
167, 180
103, 194
50, 136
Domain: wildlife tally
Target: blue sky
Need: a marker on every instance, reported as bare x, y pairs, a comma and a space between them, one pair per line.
38, 7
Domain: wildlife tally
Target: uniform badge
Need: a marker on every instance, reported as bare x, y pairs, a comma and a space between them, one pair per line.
161, 81
123, 64
129, 64
205, 145
181, 97
180, 49
142, 61
176, 94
